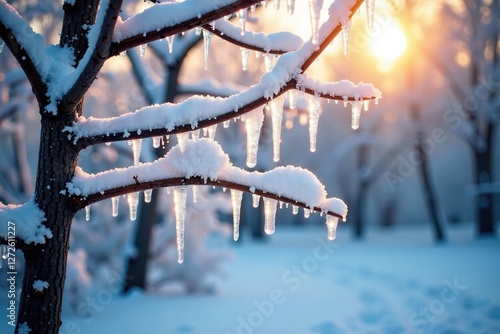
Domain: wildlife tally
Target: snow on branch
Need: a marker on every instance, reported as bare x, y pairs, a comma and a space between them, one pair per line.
24, 223
277, 43
167, 19
100, 38
27, 47
203, 162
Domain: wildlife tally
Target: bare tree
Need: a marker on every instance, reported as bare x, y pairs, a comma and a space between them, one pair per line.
60, 76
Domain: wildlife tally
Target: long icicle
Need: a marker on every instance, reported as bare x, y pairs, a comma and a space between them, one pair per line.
133, 202
315, 13
277, 118
236, 197
346, 31
331, 224
314, 106
253, 126
136, 150
356, 112
207, 39
270, 206
180, 197
114, 205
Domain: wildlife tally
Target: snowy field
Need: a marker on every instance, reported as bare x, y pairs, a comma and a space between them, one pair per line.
297, 282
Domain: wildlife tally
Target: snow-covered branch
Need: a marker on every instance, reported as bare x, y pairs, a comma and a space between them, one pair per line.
27, 47
167, 19
203, 162
100, 38
278, 43
22, 223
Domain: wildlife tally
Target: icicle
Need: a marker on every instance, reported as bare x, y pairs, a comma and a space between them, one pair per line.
253, 126
269, 214
366, 105
196, 189
276, 4
346, 30
224, 189
107, 143
197, 31
133, 202
255, 200
182, 139
370, 12
292, 98
236, 197
314, 105
245, 53
264, 3
295, 209
147, 195
268, 61
307, 213
142, 49
87, 213
277, 117
252, 8
314, 14
195, 134
258, 54
170, 41
114, 205
331, 224
280, 204
290, 6
243, 15
212, 129
180, 197
356, 112
136, 150
4, 252
225, 124
207, 38
205, 131
156, 142
123, 53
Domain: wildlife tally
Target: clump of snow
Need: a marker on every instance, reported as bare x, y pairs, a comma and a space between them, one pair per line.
201, 158
27, 219
40, 285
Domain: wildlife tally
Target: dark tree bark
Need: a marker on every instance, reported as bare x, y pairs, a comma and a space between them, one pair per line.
41, 311
485, 214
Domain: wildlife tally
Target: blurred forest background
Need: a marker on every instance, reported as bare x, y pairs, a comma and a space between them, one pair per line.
427, 154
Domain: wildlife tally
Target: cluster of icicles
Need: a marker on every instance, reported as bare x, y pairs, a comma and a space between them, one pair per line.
253, 124
314, 14
180, 200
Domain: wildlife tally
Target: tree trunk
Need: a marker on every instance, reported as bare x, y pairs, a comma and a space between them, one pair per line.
136, 274
41, 311
363, 185
485, 215
430, 194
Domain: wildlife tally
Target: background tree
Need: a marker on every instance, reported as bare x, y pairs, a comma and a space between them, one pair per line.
60, 76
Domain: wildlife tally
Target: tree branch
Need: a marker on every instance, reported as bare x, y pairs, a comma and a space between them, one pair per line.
99, 54
18, 35
196, 20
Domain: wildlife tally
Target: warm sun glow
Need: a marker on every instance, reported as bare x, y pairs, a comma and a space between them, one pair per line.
389, 44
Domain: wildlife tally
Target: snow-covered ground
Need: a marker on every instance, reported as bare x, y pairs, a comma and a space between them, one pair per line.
298, 282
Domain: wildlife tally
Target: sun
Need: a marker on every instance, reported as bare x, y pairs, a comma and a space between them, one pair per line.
389, 44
